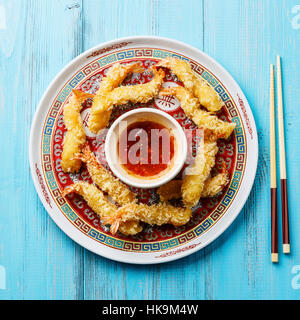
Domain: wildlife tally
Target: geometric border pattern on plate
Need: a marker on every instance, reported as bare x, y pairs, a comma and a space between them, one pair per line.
110, 240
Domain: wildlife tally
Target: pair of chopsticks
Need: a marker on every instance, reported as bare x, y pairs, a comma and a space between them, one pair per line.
283, 184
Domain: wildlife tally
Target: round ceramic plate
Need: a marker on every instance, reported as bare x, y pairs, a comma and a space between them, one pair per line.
155, 244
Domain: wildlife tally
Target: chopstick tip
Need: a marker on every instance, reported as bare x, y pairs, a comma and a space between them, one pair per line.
286, 248
274, 257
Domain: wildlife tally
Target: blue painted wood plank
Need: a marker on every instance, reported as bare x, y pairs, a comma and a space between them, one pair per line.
247, 35
40, 261
37, 39
119, 19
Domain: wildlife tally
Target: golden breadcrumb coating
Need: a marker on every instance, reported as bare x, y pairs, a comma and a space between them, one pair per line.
215, 127
170, 190
93, 196
100, 111
117, 190
197, 173
206, 94
101, 205
212, 186
138, 93
181, 69
75, 136
197, 182
158, 214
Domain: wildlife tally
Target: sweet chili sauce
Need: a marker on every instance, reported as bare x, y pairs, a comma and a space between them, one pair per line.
146, 148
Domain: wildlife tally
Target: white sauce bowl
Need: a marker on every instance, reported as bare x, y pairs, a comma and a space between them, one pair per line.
145, 114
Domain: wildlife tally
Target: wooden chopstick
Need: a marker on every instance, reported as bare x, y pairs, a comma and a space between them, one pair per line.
283, 177
274, 227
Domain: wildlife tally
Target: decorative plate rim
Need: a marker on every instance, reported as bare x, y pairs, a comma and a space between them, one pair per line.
126, 256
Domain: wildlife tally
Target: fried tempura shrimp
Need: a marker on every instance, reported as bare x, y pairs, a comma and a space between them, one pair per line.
101, 205
158, 214
170, 190
138, 93
118, 191
75, 136
94, 197
212, 186
215, 127
197, 173
206, 94
100, 111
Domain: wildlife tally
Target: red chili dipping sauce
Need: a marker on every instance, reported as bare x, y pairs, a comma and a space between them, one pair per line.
146, 148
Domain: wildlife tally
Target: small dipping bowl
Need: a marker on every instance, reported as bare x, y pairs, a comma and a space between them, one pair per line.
141, 115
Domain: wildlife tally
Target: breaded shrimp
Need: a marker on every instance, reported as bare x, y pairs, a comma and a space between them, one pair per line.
158, 214
170, 190
118, 191
197, 173
100, 111
215, 127
206, 94
140, 92
101, 205
212, 186
94, 197
75, 136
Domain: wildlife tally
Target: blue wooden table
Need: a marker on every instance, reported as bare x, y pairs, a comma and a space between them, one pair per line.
37, 38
